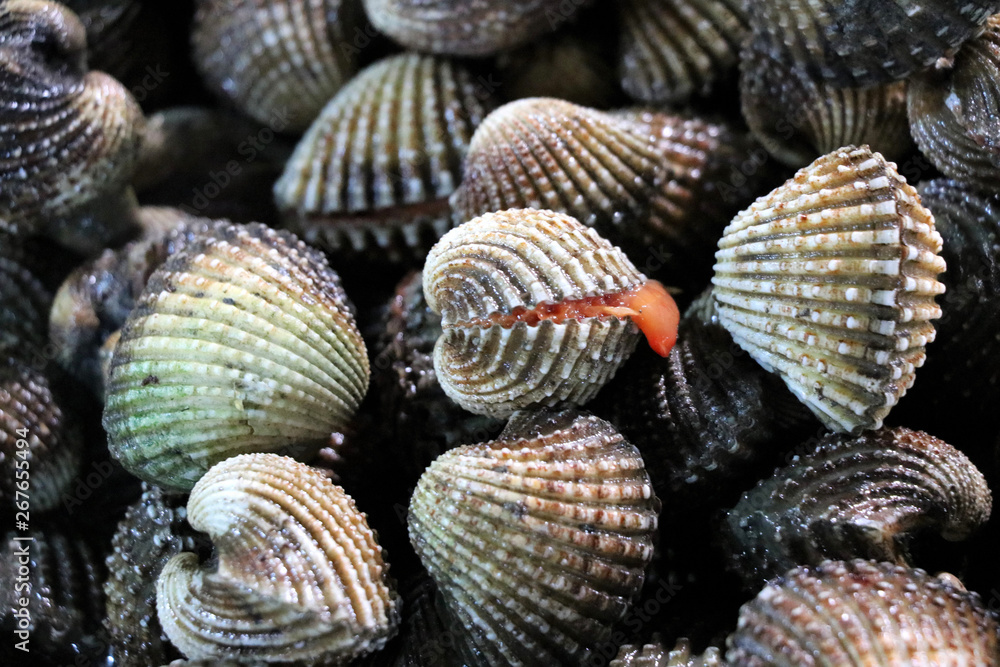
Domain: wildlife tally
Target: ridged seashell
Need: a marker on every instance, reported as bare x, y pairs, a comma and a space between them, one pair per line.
461, 28
153, 531
300, 575
659, 655
953, 112
830, 281
673, 49
537, 310
861, 497
538, 540
69, 137
797, 117
279, 61
863, 613
374, 172
242, 341
859, 44
24, 301
40, 446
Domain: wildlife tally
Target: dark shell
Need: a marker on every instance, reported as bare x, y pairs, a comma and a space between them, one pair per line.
955, 111
24, 301
660, 655
863, 497
863, 613
673, 49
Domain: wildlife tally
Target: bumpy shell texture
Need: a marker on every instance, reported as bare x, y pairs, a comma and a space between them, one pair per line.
242, 341
830, 282
300, 576
24, 301
863, 613
538, 540
659, 655
856, 498
518, 259
468, 28
863, 43
68, 137
279, 61
375, 171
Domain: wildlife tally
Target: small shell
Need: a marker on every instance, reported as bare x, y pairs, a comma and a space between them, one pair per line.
863, 613
797, 117
953, 112
864, 43
300, 576
856, 498
490, 276
539, 540
673, 49
830, 281
462, 28
69, 137
279, 61
242, 341
658, 655
35, 435
374, 172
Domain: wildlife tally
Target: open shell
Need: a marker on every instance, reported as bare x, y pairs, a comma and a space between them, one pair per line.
538, 540
830, 281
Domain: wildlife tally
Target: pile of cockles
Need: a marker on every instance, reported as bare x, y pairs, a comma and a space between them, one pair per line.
499, 333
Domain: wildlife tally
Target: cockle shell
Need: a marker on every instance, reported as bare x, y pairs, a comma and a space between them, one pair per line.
463, 28
863, 43
300, 576
374, 172
516, 262
24, 301
69, 137
863, 613
673, 49
953, 111
830, 281
659, 655
279, 61
856, 498
242, 341
538, 540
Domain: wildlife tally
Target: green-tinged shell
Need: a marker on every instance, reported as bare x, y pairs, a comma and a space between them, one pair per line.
660, 655
955, 112
830, 281
462, 28
674, 49
538, 540
278, 61
858, 497
374, 172
863, 43
24, 301
241, 341
40, 446
501, 261
300, 577
153, 531
863, 613
68, 137
797, 117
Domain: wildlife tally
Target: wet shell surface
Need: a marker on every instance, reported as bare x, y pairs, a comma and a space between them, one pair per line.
374, 172
797, 117
673, 49
463, 28
863, 613
955, 112
537, 310
68, 137
863, 43
300, 576
279, 61
24, 301
659, 655
861, 497
830, 281
242, 341
538, 540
